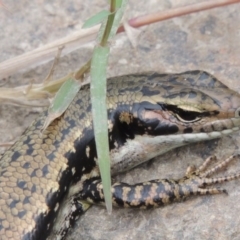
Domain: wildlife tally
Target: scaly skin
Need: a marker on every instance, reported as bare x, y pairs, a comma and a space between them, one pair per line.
149, 114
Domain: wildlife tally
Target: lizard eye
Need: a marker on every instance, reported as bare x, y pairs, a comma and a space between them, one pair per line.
187, 116
183, 115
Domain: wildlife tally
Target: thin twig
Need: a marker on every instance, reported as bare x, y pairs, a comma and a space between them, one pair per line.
6, 144
176, 12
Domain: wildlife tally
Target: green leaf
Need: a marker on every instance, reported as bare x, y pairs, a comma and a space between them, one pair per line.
122, 4
96, 19
62, 100
98, 95
118, 3
99, 110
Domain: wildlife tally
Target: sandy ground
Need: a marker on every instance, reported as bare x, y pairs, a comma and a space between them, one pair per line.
208, 40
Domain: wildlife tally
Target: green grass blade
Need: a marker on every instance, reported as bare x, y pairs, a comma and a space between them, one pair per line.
96, 19
121, 5
62, 100
99, 66
99, 111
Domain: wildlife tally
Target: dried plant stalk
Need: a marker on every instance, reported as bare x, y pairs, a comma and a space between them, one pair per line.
47, 52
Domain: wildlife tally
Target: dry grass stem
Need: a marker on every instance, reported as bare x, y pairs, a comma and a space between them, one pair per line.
47, 52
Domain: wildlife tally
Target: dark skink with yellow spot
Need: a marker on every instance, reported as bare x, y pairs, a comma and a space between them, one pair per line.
47, 179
